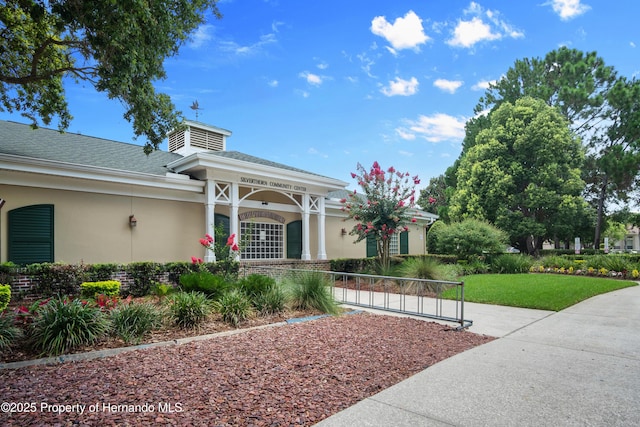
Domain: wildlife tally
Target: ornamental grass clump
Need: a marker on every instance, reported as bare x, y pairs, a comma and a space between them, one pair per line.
62, 325
131, 322
511, 264
189, 309
235, 307
421, 268
270, 302
9, 332
312, 290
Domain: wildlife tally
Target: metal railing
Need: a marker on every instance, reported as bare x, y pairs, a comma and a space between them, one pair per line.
415, 297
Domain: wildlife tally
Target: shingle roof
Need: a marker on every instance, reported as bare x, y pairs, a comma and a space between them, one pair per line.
236, 155
47, 144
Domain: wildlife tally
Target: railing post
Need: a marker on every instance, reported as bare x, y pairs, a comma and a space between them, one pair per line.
462, 304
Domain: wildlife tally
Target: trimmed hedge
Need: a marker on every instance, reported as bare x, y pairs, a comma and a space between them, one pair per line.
5, 296
110, 288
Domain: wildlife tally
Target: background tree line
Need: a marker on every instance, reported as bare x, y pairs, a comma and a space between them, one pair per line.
554, 145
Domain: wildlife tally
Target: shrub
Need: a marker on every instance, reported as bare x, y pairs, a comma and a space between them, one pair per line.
57, 279
234, 306
433, 236
475, 266
131, 322
189, 309
161, 290
270, 302
5, 296
256, 284
9, 332
62, 325
556, 261
101, 272
143, 274
615, 262
421, 268
91, 289
311, 290
178, 269
7, 272
213, 286
470, 238
511, 264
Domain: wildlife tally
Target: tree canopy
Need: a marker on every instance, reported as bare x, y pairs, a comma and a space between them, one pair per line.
117, 46
522, 174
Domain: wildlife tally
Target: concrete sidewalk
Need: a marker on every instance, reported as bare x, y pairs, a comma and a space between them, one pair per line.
577, 367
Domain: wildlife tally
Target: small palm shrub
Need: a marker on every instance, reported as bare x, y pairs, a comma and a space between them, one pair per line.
271, 302
511, 264
421, 268
189, 309
234, 306
62, 325
256, 284
9, 332
131, 322
212, 285
555, 261
616, 263
311, 290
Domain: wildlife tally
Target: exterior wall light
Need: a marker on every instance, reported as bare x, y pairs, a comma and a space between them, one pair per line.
132, 221
343, 231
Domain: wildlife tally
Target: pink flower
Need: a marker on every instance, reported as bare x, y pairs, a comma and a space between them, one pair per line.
195, 260
235, 247
209, 238
414, 220
406, 228
231, 239
353, 175
401, 203
204, 242
391, 169
432, 200
343, 200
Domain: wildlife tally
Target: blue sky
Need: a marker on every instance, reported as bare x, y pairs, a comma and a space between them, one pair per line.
325, 85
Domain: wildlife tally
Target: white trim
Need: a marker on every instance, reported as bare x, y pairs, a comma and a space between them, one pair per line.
96, 173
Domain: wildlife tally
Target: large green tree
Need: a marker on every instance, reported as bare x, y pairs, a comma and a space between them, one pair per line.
522, 174
118, 46
599, 107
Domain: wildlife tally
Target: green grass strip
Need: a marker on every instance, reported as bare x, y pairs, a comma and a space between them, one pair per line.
539, 291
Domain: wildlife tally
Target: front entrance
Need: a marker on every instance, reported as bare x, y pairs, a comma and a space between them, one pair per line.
294, 240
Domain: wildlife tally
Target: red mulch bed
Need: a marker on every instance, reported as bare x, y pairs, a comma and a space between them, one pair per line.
288, 375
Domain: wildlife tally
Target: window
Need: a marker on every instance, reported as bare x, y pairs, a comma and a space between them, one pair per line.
267, 240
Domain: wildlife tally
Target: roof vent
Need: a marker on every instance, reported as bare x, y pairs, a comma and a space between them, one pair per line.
197, 138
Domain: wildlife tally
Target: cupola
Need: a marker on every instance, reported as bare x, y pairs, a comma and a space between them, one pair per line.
196, 137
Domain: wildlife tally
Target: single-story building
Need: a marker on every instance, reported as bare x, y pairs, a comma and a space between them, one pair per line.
72, 198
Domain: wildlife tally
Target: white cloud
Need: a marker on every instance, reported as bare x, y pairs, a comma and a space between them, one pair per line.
404, 33
401, 87
632, 44
404, 134
483, 26
231, 46
482, 84
436, 128
568, 9
273, 83
311, 78
468, 33
448, 85
200, 36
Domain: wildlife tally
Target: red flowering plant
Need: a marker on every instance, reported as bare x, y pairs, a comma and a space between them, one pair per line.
383, 208
225, 249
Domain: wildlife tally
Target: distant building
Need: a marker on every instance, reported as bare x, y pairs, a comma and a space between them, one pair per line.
74, 198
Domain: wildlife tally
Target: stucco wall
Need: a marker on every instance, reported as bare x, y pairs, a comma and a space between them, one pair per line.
94, 228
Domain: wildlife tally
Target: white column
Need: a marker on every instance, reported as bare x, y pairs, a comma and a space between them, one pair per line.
322, 251
306, 253
234, 227
210, 207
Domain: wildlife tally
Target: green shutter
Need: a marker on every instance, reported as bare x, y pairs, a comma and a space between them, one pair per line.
372, 246
30, 236
218, 220
404, 242
294, 240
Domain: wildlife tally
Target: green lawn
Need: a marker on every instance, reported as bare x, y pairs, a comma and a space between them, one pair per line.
540, 291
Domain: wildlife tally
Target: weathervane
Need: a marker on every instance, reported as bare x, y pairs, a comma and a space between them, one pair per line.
195, 107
